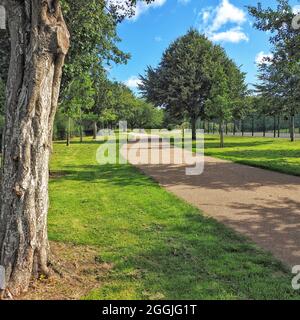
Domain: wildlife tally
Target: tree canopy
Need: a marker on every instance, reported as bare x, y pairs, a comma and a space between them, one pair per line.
279, 75
195, 78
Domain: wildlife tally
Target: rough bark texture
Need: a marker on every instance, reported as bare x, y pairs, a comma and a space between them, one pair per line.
69, 132
95, 130
194, 130
221, 130
39, 43
292, 127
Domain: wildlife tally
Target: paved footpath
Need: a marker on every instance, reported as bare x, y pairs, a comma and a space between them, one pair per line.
260, 204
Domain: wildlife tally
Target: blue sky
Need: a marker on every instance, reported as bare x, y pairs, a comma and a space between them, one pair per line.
225, 22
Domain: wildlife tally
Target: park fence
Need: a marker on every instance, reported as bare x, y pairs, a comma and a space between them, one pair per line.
268, 126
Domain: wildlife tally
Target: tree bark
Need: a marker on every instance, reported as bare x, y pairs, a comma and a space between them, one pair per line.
278, 126
81, 134
242, 125
95, 130
69, 132
39, 43
292, 128
221, 129
194, 131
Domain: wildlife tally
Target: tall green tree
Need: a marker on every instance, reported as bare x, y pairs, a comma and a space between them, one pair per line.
93, 29
79, 101
182, 81
279, 77
194, 74
228, 91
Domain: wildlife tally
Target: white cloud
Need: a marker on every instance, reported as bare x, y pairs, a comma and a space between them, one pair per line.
184, 1
234, 35
141, 6
227, 13
132, 82
261, 56
296, 9
158, 39
206, 14
214, 19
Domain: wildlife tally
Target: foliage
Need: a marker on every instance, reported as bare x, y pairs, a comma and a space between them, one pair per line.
94, 38
279, 75
195, 78
60, 129
116, 102
79, 98
182, 81
228, 92
145, 116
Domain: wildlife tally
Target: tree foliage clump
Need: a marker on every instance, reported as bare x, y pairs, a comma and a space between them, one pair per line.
194, 79
279, 75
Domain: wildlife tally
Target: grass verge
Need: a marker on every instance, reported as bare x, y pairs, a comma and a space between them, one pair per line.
273, 154
159, 247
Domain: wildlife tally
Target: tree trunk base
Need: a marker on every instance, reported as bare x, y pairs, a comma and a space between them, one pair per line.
39, 43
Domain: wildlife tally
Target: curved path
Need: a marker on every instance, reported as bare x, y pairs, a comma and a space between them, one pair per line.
260, 204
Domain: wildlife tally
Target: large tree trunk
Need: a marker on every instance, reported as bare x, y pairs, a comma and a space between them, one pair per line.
39, 42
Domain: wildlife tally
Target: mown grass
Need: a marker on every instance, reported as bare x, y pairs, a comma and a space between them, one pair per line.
268, 153
274, 154
160, 247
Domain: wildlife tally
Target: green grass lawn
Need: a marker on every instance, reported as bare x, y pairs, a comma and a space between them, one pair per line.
161, 247
269, 153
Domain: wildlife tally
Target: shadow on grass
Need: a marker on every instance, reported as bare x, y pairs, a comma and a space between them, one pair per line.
161, 247
195, 258
216, 144
120, 175
76, 142
275, 160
